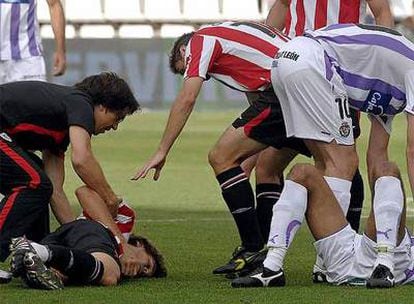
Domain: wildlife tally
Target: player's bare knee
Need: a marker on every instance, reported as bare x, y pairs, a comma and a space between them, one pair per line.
218, 159
81, 191
302, 174
212, 157
386, 168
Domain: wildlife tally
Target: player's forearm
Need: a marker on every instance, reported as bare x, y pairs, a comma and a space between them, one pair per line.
385, 19
97, 210
179, 114
61, 207
89, 170
57, 19
54, 166
277, 15
382, 12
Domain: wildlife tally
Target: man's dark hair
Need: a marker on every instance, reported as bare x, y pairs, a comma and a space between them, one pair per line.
160, 269
175, 51
111, 91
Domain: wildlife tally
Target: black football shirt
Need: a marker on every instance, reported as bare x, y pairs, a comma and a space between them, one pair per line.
37, 115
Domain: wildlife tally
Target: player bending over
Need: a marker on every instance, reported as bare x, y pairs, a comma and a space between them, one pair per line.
85, 252
381, 257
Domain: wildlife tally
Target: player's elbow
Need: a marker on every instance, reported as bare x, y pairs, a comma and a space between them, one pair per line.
80, 161
110, 279
303, 174
82, 194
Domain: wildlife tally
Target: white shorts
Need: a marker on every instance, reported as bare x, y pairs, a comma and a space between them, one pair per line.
350, 257
31, 68
311, 93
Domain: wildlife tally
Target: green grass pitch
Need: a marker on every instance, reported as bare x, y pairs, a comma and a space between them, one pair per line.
183, 213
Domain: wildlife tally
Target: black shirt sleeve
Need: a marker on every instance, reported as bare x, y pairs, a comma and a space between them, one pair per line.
79, 110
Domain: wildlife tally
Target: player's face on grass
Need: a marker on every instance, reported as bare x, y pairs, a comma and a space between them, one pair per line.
106, 120
146, 262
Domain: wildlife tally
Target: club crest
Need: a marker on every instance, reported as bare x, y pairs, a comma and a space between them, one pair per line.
345, 129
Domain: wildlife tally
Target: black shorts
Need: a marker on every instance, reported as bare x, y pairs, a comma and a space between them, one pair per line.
85, 235
263, 122
355, 116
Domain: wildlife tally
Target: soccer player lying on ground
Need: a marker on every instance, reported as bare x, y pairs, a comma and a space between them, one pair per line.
85, 252
381, 257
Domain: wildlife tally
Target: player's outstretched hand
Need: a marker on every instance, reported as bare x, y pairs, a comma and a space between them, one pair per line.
156, 162
129, 261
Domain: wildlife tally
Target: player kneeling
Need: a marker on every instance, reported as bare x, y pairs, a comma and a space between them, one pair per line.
380, 258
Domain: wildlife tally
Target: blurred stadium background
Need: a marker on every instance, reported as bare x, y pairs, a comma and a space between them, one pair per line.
133, 37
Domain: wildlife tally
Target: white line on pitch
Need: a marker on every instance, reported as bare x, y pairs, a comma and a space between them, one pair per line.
410, 213
174, 220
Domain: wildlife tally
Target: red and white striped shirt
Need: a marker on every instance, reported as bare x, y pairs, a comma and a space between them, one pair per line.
238, 54
311, 15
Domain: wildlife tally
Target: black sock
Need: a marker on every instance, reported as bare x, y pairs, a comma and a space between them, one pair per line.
238, 195
79, 266
266, 196
357, 199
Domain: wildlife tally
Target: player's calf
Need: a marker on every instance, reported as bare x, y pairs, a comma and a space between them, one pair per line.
80, 267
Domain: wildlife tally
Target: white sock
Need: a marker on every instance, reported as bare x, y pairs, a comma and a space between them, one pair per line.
341, 188
41, 251
388, 206
288, 214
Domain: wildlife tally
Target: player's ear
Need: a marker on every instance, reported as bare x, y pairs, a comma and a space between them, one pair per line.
182, 50
100, 108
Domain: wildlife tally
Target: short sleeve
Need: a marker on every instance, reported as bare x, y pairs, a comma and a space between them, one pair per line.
79, 111
200, 55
